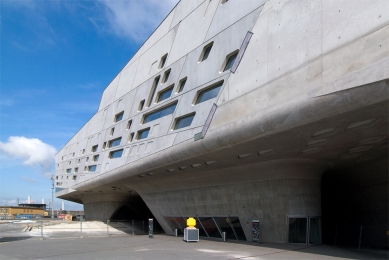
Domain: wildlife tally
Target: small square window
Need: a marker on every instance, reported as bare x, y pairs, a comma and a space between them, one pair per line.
87, 159
83, 151
70, 162
142, 134
166, 76
94, 148
130, 137
76, 170
181, 85
206, 51
104, 145
119, 117
95, 158
141, 104
74, 177
69, 170
129, 123
74, 154
163, 61
79, 160
112, 131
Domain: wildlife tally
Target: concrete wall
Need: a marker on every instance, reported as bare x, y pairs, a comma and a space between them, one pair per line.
312, 86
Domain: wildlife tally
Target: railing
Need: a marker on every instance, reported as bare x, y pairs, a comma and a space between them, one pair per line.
362, 237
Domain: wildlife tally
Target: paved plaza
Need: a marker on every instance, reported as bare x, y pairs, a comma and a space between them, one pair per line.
66, 244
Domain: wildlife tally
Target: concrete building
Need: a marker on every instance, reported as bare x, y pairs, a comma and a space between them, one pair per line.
242, 110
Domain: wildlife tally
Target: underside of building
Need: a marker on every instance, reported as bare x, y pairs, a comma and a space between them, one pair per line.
238, 111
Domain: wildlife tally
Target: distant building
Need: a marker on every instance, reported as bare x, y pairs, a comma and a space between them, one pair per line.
9, 212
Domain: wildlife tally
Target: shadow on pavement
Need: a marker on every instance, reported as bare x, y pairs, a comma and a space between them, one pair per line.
12, 239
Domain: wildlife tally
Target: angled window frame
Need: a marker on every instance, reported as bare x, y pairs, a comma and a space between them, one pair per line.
181, 85
140, 132
159, 109
162, 62
176, 121
118, 117
163, 91
166, 76
203, 90
223, 67
153, 90
205, 52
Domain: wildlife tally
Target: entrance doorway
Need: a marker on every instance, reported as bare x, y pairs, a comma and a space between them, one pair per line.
304, 230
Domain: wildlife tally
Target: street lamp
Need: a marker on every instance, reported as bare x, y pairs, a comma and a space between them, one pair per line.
52, 196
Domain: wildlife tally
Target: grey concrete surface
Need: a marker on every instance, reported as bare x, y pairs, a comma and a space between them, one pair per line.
165, 247
310, 95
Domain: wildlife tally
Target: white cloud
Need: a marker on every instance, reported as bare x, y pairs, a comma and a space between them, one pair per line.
33, 151
135, 19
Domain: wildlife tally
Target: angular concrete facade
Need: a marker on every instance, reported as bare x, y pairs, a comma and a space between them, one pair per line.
306, 96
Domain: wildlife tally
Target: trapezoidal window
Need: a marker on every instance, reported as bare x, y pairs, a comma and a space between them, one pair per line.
92, 168
130, 137
166, 93
119, 117
142, 134
184, 121
95, 158
206, 51
163, 61
129, 123
114, 142
166, 75
116, 154
164, 111
141, 104
152, 92
209, 92
229, 61
94, 148
181, 85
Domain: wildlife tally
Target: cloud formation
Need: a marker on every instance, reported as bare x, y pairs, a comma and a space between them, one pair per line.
33, 151
136, 19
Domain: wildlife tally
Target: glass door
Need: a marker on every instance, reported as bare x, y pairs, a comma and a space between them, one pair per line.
297, 229
314, 230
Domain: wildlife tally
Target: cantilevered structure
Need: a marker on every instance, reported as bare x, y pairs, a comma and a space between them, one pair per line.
242, 110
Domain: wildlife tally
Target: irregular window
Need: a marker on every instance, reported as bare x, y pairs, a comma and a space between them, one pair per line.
160, 113
95, 158
181, 85
94, 148
92, 168
68, 170
209, 93
165, 94
114, 142
206, 52
116, 154
142, 134
119, 117
141, 104
163, 61
184, 121
230, 62
166, 76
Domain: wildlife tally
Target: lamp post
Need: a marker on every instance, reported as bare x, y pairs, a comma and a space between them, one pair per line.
52, 196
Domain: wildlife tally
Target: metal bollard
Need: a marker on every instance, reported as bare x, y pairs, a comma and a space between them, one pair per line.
176, 232
133, 228
42, 229
107, 228
81, 227
224, 236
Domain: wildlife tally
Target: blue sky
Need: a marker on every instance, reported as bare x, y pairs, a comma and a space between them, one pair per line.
56, 58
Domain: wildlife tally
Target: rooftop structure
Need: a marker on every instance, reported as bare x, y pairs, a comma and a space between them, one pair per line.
238, 111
